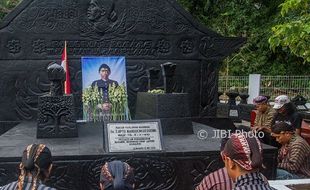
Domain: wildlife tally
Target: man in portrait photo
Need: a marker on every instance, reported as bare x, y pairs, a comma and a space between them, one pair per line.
103, 85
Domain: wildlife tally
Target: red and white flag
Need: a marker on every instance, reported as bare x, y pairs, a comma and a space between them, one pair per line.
64, 64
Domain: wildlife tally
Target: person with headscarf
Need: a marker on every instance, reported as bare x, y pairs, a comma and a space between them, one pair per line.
35, 168
294, 154
217, 180
116, 175
242, 156
287, 112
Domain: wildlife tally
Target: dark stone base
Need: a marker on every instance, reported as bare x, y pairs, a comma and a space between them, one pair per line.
176, 126
7, 125
56, 117
171, 109
171, 105
77, 161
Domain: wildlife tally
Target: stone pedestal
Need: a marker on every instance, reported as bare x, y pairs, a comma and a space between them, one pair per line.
233, 109
172, 109
56, 118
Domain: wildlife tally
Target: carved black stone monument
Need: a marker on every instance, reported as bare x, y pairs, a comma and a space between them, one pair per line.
171, 108
146, 32
56, 116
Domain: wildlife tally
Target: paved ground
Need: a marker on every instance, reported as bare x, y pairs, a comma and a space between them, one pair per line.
299, 184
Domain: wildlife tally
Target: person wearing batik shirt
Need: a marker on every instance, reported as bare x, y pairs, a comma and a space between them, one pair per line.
294, 154
242, 156
263, 120
217, 180
116, 175
265, 114
35, 168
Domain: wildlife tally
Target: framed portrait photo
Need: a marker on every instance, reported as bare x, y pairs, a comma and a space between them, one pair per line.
104, 89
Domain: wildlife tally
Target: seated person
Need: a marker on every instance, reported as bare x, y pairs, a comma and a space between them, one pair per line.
263, 120
242, 156
286, 112
294, 154
265, 114
116, 175
217, 180
35, 168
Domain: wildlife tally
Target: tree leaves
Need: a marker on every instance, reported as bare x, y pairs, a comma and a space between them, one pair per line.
294, 32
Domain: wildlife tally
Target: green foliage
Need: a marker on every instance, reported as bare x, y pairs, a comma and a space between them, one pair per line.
252, 19
294, 32
6, 6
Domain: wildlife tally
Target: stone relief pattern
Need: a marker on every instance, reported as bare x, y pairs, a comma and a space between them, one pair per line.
136, 82
66, 175
148, 169
47, 16
14, 46
7, 174
28, 88
38, 46
186, 46
159, 17
106, 19
51, 111
209, 89
203, 167
151, 173
116, 18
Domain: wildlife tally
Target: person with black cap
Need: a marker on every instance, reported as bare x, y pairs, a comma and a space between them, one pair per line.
294, 154
35, 168
242, 156
103, 85
116, 175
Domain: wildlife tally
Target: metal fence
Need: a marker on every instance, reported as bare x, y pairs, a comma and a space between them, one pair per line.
270, 85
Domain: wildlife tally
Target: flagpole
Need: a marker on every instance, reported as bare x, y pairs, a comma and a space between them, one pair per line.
66, 66
64, 63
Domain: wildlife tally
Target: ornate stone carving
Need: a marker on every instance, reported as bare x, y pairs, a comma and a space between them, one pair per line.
209, 89
151, 172
163, 46
109, 18
14, 46
56, 117
144, 31
186, 46
39, 46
